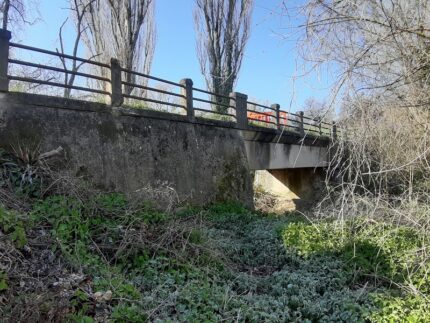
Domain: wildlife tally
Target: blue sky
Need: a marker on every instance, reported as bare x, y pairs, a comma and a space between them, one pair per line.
270, 65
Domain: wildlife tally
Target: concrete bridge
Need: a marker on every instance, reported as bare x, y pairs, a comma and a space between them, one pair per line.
116, 147
139, 151
287, 165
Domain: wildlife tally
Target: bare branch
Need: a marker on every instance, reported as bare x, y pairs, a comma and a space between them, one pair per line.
123, 29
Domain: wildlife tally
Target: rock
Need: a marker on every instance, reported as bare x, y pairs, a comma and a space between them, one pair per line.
98, 296
103, 296
107, 296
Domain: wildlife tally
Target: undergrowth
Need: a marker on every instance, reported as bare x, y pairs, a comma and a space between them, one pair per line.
106, 259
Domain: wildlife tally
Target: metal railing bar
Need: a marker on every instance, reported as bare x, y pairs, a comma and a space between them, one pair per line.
308, 118
48, 52
289, 113
211, 111
212, 93
152, 89
261, 106
153, 101
214, 103
312, 120
256, 120
317, 122
289, 126
317, 131
29, 80
312, 124
57, 69
327, 123
150, 77
295, 121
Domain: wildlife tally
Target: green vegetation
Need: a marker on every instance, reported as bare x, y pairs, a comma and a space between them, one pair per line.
18, 171
388, 252
124, 262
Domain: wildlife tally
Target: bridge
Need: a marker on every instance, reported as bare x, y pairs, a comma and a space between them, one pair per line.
134, 133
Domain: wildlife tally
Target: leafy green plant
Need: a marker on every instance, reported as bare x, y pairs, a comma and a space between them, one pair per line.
20, 171
13, 225
81, 318
66, 216
112, 204
385, 250
308, 239
392, 308
128, 313
150, 215
81, 305
195, 236
3, 281
70, 226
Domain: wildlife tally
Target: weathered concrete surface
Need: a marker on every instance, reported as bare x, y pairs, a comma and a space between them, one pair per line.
264, 180
272, 149
293, 188
124, 150
263, 155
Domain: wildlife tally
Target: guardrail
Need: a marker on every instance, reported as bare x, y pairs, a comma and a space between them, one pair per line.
273, 117
118, 86
56, 69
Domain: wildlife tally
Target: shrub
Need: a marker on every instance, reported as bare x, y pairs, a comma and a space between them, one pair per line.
13, 225
3, 281
391, 308
373, 248
66, 216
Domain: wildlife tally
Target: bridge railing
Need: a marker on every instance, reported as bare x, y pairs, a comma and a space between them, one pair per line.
70, 76
167, 95
213, 105
261, 115
56, 81
273, 117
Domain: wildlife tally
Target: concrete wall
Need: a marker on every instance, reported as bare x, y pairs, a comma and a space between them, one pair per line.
124, 150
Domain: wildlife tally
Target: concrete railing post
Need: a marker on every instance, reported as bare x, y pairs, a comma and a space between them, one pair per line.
5, 36
302, 124
116, 97
240, 102
277, 107
334, 131
187, 93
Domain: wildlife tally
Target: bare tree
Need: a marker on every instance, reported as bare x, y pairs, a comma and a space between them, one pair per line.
382, 47
12, 11
78, 10
318, 110
381, 53
123, 29
17, 13
223, 29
